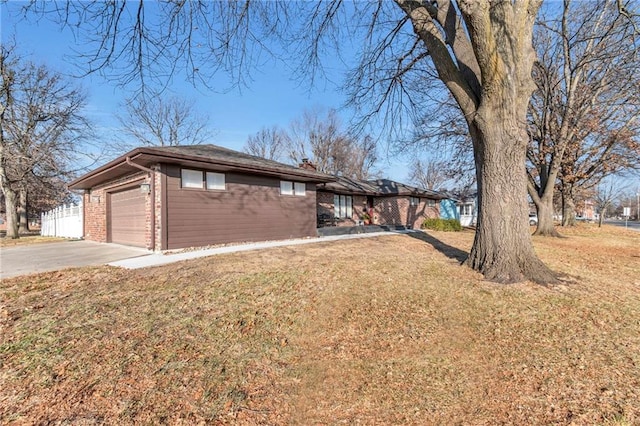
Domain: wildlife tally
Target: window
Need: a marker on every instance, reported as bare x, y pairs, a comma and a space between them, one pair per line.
343, 206
286, 188
191, 178
414, 201
431, 203
300, 189
466, 210
215, 181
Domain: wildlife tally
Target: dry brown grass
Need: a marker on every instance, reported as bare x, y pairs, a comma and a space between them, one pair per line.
28, 240
376, 331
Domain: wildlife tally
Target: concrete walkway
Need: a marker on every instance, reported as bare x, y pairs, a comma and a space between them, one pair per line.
158, 259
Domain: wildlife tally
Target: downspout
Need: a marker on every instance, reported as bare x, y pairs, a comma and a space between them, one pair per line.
153, 199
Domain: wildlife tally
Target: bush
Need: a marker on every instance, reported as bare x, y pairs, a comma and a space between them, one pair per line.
442, 224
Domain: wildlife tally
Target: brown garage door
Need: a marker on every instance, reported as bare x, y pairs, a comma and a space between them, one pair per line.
127, 217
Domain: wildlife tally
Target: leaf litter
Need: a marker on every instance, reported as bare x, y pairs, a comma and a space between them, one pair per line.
377, 331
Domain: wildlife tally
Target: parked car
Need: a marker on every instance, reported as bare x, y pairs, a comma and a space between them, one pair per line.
533, 219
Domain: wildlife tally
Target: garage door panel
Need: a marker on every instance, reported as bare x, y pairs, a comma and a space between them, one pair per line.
127, 217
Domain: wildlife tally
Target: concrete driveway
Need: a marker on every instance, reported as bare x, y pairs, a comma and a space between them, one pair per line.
29, 259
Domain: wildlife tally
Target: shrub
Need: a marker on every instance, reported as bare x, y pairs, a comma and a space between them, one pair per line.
442, 224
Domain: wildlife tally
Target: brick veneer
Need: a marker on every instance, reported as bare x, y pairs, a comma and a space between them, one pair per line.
324, 201
158, 208
95, 206
386, 210
399, 211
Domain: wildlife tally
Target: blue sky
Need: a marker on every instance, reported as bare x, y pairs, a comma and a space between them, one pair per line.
272, 98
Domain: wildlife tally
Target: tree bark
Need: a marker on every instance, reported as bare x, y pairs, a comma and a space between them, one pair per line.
601, 217
544, 205
545, 226
10, 203
10, 195
23, 218
568, 207
503, 250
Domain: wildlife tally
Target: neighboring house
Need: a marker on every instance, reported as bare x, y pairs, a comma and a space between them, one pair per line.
468, 209
586, 210
349, 202
174, 197
449, 208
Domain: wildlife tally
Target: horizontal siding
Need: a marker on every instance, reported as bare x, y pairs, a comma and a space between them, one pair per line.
250, 209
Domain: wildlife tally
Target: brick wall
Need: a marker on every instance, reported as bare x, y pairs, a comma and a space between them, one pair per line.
386, 210
399, 211
158, 209
324, 201
325, 206
95, 206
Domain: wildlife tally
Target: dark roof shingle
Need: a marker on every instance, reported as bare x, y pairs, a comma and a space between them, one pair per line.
378, 187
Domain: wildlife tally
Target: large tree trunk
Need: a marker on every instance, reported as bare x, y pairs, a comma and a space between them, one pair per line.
568, 207
544, 207
10, 204
503, 250
22, 211
10, 195
492, 88
545, 225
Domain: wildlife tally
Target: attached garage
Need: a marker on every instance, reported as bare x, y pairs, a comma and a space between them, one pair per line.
166, 198
127, 217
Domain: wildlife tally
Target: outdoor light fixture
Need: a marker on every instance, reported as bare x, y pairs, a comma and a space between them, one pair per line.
145, 188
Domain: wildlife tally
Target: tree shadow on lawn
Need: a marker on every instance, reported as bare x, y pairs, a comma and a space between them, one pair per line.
449, 251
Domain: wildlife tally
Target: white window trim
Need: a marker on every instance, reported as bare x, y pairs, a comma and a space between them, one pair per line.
414, 201
286, 187
343, 206
299, 189
184, 183
218, 181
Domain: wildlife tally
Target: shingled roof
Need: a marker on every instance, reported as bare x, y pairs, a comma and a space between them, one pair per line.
204, 156
378, 187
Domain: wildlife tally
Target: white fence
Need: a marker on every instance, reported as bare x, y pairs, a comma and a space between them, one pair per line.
64, 221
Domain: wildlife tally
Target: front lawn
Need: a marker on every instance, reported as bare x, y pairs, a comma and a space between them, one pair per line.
387, 330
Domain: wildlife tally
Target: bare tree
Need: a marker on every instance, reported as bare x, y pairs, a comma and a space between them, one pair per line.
428, 174
41, 129
269, 143
157, 121
315, 136
583, 116
479, 52
442, 132
363, 158
606, 194
321, 138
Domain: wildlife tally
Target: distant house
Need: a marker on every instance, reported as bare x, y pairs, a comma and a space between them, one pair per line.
349, 202
449, 207
183, 196
586, 210
468, 209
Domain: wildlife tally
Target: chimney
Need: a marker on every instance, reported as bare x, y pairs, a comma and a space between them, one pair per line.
307, 165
